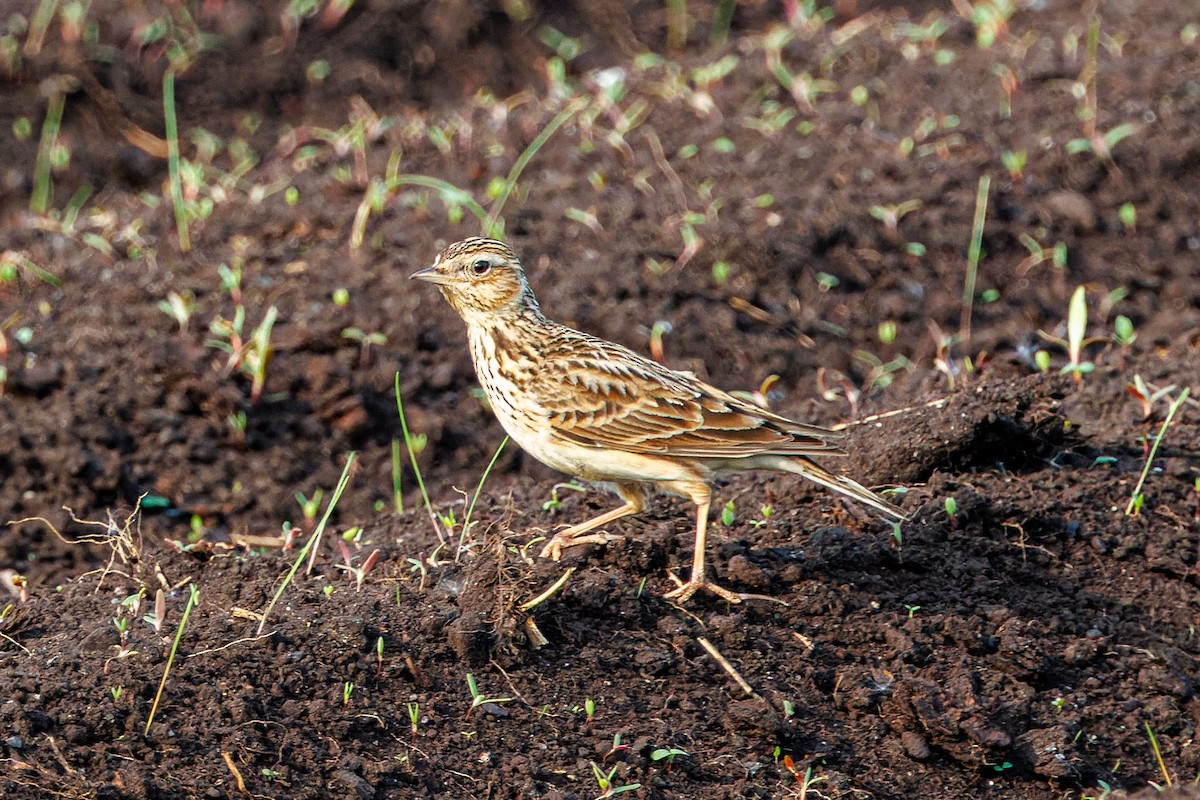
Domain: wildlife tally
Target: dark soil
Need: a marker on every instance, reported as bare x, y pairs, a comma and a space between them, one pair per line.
1029, 639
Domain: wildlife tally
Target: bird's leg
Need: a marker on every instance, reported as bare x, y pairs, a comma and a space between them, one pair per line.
701, 496
635, 501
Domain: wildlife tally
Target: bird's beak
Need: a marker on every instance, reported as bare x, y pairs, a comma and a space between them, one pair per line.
433, 275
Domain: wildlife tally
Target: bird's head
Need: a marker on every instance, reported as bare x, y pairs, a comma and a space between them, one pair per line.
481, 279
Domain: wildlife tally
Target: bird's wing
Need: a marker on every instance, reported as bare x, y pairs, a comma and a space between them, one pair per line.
601, 394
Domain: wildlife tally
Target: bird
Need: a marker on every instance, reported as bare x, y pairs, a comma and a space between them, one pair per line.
601, 412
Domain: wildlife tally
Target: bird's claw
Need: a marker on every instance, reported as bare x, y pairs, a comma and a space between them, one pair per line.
553, 548
684, 591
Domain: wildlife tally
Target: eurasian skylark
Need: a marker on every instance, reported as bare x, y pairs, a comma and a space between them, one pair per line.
601, 412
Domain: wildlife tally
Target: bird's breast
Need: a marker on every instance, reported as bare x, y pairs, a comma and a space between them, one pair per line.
505, 374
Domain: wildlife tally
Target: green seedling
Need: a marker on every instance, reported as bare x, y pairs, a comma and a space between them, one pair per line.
178, 307
887, 332
1102, 145
251, 356
990, 19
951, 506
230, 279
360, 572
765, 512
727, 514
347, 692
617, 747
379, 645
806, 781
589, 709
554, 503
912, 610
1008, 89
1057, 255
1137, 499
309, 507
13, 263
879, 374
1123, 333
657, 331
608, 787
1075, 342
1103, 791
1014, 162
122, 626
1128, 216
365, 342
414, 717
418, 565
890, 216
116, 692
567, 47
259, 355
478, 698
667, 754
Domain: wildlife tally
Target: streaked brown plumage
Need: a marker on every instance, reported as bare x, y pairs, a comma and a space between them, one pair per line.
601, 412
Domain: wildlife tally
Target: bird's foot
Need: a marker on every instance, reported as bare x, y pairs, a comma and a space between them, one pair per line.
684, 591
559, 542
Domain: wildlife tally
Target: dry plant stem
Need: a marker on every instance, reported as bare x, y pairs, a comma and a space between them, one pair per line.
546, 595
1137, 490
309, 545
973, 254
237, 775
724, 662
193, 599
1157, 754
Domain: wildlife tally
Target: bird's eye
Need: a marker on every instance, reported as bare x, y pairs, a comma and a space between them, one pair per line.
481, 267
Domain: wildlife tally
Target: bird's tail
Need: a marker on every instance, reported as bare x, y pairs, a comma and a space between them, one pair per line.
838, 483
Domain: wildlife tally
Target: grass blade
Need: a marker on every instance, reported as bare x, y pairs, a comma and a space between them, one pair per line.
974, 251
193, 599
310, 545
412, 459
1176, 404
39, 201
172, 131
492, 227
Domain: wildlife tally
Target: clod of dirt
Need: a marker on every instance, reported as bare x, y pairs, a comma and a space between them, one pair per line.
1010, 423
